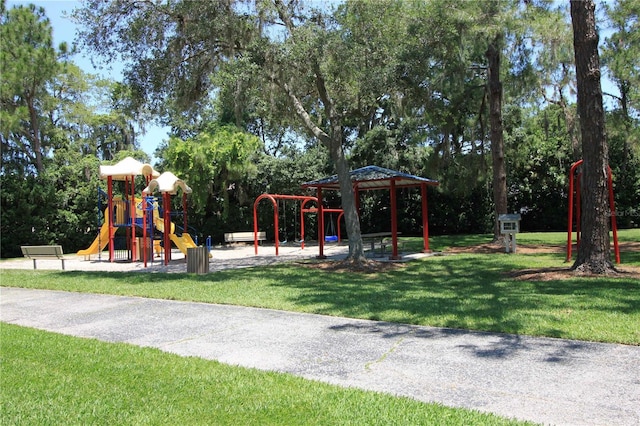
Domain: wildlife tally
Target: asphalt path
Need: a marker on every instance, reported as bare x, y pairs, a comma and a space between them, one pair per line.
550, 381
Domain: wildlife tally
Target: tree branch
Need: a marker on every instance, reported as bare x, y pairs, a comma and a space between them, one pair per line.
302, 112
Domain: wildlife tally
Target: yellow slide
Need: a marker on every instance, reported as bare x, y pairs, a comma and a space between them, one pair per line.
183, 242
100, 242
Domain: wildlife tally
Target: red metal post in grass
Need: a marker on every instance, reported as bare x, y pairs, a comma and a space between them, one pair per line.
394, 221
425, 218
577, 190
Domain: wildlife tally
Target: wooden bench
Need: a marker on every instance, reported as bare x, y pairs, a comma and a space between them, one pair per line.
43, 252
237, 237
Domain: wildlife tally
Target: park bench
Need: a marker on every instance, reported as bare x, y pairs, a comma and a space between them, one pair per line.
43, 253
236, 237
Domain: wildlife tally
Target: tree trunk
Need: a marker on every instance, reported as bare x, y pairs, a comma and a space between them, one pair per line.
594, 251
333, 143
497, 139
351, 217
36, 145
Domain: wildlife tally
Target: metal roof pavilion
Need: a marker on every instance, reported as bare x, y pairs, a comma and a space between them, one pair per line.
375, 178
372, 178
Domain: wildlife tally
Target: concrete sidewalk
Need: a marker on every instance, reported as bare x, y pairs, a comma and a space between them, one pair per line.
550, 381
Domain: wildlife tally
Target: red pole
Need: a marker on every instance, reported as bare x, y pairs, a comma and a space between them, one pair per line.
302, 224
110, 218
132, 208
184, 210
570, 218
276, 224
255, 226
578, 208
144, 229
394, 221
167, 227
425, 218
320, 226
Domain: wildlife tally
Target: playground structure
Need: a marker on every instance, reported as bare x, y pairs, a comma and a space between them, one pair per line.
574, 187
363, 179
167, 184
134, 213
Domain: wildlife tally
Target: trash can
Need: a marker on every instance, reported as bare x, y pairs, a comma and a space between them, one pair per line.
197, 260
145, 245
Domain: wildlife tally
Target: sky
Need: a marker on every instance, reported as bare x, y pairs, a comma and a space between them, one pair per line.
64, 31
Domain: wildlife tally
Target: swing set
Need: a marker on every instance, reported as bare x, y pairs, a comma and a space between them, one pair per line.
304, 209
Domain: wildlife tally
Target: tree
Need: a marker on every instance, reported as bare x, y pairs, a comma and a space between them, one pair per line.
494, 92
28, 62
213, 162
554, 58
331, 68
594, 251
621, 56
621, 53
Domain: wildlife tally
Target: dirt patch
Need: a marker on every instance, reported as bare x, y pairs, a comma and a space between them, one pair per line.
550, 274
530, 248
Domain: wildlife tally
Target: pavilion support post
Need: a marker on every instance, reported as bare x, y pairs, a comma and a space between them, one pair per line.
425, 218
394, 221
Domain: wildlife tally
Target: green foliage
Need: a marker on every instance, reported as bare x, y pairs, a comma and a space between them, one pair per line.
215, 162
28, 63
406, 80
539, 160
621, 51
57, 207
624, 160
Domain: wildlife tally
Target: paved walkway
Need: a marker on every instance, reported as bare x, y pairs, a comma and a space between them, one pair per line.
550, 381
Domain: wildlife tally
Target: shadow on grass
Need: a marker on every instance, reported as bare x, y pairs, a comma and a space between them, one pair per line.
472, 292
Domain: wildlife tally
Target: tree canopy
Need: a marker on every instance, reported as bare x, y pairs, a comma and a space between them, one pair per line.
262, 96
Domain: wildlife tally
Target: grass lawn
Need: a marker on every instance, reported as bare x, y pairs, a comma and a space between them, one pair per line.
469, 291
53, 379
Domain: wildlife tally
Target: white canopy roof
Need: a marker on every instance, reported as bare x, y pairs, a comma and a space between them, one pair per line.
127, 168
167, 182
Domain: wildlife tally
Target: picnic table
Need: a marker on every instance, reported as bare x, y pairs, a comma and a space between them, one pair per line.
379, 239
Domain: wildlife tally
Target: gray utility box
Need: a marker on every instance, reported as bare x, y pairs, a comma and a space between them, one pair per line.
509, 227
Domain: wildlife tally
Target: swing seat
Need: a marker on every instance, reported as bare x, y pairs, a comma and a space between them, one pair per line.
331, 238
